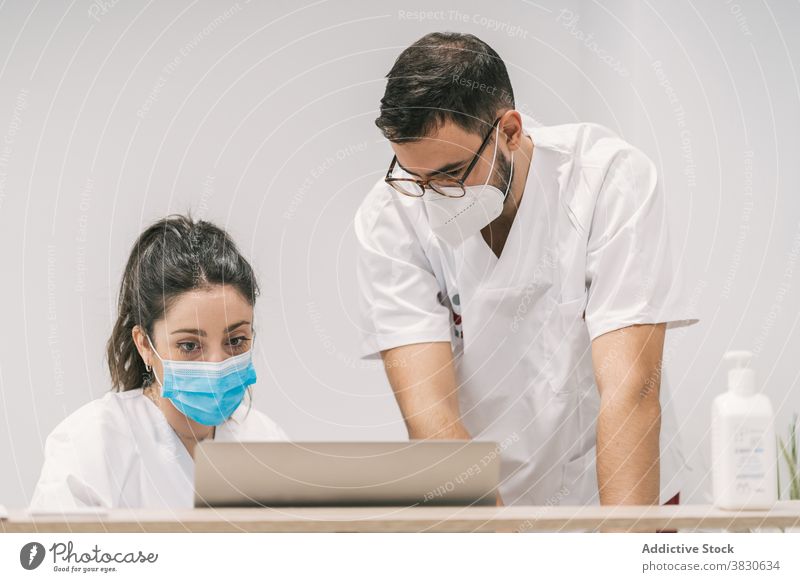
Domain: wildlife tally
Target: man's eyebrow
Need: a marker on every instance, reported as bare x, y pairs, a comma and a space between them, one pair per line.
446, 169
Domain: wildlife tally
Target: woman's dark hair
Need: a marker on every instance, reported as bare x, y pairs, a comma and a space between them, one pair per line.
444, 76
172, 256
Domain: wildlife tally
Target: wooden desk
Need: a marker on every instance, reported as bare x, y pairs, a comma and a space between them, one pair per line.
411, 519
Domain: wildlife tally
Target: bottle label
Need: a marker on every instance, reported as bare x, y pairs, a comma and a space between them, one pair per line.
749, 458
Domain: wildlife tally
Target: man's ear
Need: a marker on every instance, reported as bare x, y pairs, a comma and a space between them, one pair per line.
142, 345
511, 125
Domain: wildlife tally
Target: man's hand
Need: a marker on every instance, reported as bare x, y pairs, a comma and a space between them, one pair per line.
424, 384
627, 365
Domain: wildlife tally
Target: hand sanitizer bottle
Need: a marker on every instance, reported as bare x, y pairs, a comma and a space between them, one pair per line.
743, 453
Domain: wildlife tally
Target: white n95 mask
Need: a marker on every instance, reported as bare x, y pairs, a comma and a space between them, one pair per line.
453, 220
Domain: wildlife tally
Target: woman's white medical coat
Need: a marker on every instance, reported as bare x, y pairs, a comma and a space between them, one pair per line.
120, 451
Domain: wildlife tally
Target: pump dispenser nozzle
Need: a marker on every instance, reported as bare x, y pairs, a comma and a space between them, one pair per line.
741, 378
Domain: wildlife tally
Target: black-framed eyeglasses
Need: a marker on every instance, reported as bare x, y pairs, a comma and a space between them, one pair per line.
450, 187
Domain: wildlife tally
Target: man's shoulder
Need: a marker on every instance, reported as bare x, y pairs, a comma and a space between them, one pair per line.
587, 143
384, 207
592, 152
592, 157
373, 203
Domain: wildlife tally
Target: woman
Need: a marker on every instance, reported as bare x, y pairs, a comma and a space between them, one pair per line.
180, 358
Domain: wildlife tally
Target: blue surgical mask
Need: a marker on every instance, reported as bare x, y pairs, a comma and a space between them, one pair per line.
207, 392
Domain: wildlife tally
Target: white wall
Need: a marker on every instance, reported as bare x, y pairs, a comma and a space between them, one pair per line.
264, 125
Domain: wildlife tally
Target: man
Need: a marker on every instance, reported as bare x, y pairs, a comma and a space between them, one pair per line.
517, 282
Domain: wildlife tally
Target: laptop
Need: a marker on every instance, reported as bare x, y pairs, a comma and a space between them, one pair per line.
407, 473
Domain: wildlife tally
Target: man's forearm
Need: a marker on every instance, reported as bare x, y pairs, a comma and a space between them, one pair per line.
435, 422
423, 380
627, 364
424, 383
430, 428
628, 468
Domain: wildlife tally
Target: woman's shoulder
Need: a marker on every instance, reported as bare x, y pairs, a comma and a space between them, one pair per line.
86, 455
98, 417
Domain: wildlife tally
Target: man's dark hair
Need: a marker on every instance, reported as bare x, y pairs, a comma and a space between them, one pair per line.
444, 76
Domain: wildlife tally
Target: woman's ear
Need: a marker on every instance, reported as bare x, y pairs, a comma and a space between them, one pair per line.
142, 345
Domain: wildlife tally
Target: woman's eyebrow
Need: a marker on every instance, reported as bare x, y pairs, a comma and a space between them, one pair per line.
193, 331
230, 328
200, 332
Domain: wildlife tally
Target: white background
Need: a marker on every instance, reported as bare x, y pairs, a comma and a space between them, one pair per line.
264, 125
